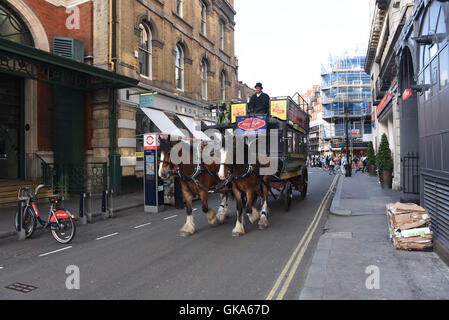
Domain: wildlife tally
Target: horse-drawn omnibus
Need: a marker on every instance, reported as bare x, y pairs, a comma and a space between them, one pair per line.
247, 180
292, 125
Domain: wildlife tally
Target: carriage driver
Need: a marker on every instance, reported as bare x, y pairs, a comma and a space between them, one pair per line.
259, 102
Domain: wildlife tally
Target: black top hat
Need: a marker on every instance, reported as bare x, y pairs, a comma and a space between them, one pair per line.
258, 85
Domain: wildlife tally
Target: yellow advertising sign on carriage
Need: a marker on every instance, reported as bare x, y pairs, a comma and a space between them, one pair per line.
238, 110
279, 109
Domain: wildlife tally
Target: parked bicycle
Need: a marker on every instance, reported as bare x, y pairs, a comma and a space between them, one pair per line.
59, 221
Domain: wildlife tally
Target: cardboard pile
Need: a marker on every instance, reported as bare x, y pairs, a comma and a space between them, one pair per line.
409, 226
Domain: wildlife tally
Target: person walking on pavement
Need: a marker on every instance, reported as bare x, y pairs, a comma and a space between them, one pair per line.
356, 163
343, 165
259, 102
364, 163
331, 167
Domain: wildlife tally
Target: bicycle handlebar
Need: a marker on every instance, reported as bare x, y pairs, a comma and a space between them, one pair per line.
25, 194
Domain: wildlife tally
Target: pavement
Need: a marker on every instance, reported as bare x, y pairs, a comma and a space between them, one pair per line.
120, 203
355, 259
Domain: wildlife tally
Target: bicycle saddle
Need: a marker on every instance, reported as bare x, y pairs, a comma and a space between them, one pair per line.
55, 199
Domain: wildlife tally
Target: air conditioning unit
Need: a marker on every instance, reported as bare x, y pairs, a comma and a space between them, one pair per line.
69, 48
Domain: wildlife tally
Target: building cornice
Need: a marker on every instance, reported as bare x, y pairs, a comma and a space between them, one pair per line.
67, 3
377, 25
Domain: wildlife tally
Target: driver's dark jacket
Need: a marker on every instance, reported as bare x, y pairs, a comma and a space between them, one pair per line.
259, 105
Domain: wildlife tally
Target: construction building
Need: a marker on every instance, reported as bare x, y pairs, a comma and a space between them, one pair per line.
346, 94
316, 142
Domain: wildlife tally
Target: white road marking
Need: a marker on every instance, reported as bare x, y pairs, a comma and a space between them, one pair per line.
1, 268
48, 253
195, 209
108, 236
142, 225
170, 217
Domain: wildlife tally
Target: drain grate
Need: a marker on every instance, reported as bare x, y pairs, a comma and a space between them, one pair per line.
20, 287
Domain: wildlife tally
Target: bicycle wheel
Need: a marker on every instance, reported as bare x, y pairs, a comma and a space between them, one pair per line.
65, 232
29, 222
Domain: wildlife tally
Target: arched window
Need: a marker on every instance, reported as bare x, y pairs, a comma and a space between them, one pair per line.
13, 28
145, 51
203, 18
223, 85
179, 68
178, 7
222, 35
204, 79
433, 64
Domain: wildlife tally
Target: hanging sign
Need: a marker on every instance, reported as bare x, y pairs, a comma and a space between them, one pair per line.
147, 100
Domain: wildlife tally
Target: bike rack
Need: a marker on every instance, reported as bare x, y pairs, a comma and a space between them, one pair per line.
85, 212
20, 232
107, 206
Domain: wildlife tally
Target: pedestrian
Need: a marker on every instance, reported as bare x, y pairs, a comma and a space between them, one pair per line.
364, 163
259, 102
331, 167
356, 163
343, 165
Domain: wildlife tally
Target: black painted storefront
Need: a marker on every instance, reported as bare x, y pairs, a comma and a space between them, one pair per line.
423, 58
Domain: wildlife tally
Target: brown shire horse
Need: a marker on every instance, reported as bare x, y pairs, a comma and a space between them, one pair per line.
204, 181
246, 180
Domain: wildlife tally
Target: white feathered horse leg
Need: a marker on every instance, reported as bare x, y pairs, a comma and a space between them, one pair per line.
223, 210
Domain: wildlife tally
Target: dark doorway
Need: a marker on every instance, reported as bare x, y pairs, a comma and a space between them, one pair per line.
68, 136
409, 129
11, 127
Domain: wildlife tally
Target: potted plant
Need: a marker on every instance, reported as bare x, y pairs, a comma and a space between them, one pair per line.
385, 163
371, 160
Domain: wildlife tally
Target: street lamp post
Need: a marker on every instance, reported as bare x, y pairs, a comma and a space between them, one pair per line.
349, 163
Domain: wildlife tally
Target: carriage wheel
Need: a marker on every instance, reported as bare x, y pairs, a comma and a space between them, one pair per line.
305, 183
288, 195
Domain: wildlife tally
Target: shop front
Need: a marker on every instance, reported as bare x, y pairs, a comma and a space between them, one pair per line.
45, 112
423, 54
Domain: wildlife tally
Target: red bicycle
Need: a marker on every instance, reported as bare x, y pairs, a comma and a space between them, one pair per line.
59, 221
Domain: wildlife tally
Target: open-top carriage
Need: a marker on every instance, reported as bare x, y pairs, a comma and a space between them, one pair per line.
291, 125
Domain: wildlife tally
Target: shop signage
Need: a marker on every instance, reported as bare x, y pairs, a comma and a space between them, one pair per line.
383, 103
147, 100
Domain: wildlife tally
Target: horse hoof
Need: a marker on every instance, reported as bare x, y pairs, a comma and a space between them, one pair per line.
251, 219
263, 223
221, 219
213, 223
238, 234
186, 234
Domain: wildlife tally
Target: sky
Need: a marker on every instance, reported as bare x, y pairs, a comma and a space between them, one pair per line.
282, 43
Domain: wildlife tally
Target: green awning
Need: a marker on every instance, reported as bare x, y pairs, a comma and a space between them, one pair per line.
24, 61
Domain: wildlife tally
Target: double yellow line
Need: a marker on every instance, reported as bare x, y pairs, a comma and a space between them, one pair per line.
299, 252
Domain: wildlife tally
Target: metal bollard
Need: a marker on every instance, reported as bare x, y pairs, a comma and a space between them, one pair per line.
104, 200
82, 215
21, 235
110, 206
88, 207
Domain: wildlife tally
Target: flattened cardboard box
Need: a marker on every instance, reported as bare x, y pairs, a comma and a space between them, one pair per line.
415, 243
407, 220
406, 208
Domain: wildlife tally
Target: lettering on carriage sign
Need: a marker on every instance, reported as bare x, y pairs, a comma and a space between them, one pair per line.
151, 142
252, 126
